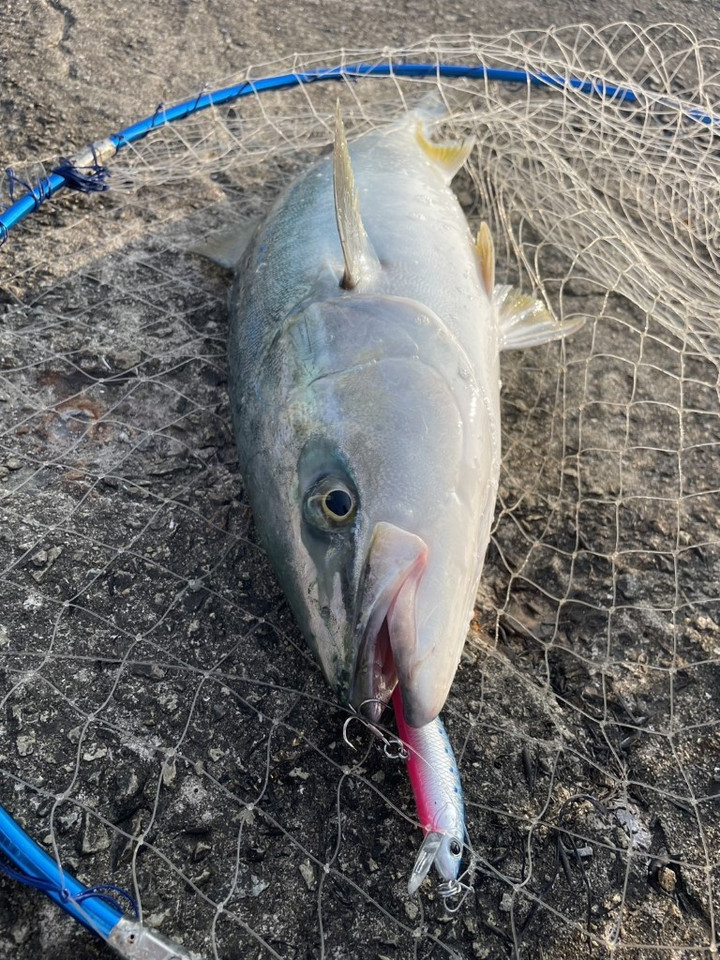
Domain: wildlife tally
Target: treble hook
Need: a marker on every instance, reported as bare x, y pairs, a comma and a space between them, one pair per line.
345, 726
393, 747
456, 888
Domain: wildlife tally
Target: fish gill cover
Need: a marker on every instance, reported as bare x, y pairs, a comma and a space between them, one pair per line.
163, 726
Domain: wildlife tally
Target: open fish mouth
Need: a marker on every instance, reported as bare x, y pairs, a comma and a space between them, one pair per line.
387, 627
376, 676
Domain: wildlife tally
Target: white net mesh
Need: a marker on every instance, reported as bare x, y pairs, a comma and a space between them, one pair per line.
162, 724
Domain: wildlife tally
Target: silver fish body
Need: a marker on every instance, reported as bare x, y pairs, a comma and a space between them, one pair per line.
364, 382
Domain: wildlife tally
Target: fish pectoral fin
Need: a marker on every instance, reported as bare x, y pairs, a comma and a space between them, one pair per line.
361, 262
449, 156
485, 253
526, 322
227, 246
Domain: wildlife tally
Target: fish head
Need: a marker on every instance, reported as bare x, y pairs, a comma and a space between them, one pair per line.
378, 518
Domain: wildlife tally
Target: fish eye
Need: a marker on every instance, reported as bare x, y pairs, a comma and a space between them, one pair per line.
337, 504
330, 503
455, 848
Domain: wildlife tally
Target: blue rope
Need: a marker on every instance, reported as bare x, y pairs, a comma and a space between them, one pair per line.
88, 179
45, 886
67, 175
26, 862
102, 890
37, 192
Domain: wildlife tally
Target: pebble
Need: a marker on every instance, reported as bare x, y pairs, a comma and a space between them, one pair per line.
201, 850
94, 837
203, 877
26, 743
43, 560
667, 878
169, 772
69, 819
411, 909
308, 874
506, 904
256, 886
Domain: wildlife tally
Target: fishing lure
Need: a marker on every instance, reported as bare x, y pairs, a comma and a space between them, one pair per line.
435, 781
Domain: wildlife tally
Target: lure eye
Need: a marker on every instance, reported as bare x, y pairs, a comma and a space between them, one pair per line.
455, 848
331, 503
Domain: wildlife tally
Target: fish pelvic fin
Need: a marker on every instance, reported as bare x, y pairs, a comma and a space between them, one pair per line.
525, 322
227, 246
448, 156
485, 253
361, 262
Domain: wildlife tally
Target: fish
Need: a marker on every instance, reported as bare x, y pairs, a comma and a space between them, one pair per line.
363, 364
437, 788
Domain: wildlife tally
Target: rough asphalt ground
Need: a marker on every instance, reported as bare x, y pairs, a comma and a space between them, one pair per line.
70, 73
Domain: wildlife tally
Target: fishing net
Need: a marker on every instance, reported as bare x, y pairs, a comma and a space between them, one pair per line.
163, 726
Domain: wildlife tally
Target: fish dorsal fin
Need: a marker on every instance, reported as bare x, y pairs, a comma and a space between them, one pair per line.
525, 322
361, 262
485, 252
449, 156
